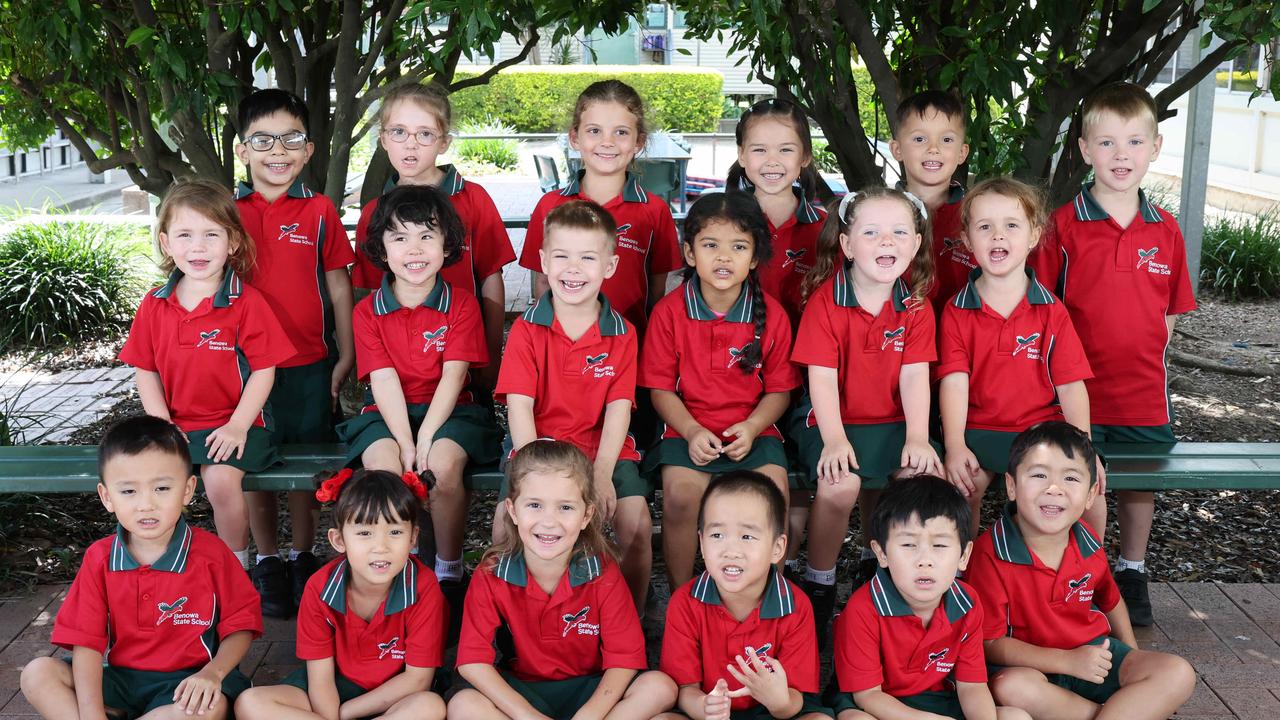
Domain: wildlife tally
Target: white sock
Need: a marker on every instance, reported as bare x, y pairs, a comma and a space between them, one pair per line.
293, 554
243, 557
822, 577
1122, 564
868, 554
261, 557
448, 569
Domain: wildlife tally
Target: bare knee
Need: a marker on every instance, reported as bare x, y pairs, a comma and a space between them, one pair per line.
43, 672
448, 467
382, 455
632, 523
1017, 687
1005, 712
843, 496
424, 705
681, 496
471, 703
654, 685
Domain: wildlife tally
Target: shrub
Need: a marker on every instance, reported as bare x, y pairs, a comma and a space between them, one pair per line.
503, 154
823, 158
1241, 256
66, 279
540, 98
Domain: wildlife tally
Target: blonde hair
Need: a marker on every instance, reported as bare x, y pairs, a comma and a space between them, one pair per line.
824, 265
215, 202
1029, 197
1125, 99
430, 97
551, 457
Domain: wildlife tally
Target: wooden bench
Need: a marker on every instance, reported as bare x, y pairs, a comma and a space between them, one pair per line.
1183, 466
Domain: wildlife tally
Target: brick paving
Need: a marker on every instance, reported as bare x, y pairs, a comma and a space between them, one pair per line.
1228, 632
49, 407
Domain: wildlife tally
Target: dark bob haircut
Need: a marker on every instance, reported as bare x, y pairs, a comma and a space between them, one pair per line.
373, 495
138, 434
419, 204
924, 497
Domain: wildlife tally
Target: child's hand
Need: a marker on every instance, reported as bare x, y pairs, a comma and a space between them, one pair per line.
199, 693
704, 446
1091, 663
963, 469
716, 705
224, 441
408, 457
837, 462
1102, 478
420, 457
744, 434
341, 369
763, 678
919, 458
606, 496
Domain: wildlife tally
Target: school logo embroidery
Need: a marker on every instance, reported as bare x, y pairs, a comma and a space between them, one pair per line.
938, 661
207, 336
390, 647
793, 256
167, 610
958, 252
595, 365
1028, 343
625, 242
209, 339
172, 611
290, 233
578, 621
895, 338
434, 339
1080, 586
1147, 257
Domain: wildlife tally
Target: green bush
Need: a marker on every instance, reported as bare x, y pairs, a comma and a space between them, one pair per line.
540, 98
1241, 256
502, 154
64, 280
823, 158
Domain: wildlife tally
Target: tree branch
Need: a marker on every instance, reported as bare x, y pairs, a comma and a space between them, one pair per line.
858, 26
482, 78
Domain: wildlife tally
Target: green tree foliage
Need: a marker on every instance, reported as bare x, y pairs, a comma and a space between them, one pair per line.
1021, 68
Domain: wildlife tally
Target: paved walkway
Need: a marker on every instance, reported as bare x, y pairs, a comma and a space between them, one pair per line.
49, 407
1229, 632
68, 189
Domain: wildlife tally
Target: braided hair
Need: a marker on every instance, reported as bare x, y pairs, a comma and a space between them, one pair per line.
741, 210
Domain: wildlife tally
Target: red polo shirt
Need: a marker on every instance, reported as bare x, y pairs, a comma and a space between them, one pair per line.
299, 238
1013, 364
571, 382
588, 625
690, 351
795, 244
647, 243
952, 261
167, 616
880, 642
417, 342
485, 247
205, 356
867, 350
407, 628
701, 637
1118, 285
1025, 599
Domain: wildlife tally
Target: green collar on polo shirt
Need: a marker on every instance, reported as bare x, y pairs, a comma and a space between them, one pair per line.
696, 306
631, 188
968, 298
451, 184
1088, 209
889, 602
955, 192
583, 568
543, 313
174, 559
777, 601
1009, 546
846, 297
230, 288
403, 593
440, 298
806, 211
297, 190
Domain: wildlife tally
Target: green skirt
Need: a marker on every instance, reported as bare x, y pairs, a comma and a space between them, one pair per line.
259, 451
675, 451
877, 446
991, 448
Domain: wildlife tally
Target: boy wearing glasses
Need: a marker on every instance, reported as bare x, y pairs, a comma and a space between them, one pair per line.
303, 254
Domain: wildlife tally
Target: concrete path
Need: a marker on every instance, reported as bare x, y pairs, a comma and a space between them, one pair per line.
49, 407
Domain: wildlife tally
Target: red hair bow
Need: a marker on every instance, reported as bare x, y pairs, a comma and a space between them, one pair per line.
330, 488
415, 485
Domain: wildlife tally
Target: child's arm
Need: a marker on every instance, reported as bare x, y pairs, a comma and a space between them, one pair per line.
520, 420
607, 693
86, 674
704, 446
388, 395
488, 682
338, 282
770, 408
976, 701
837, 461
1121, 628
322, 689
201, 692
378, 700
445, 399
913, 386
151, 392
231, 437
617, 420
1087, 662
493, 309
953, 401
1073, 398
883, 706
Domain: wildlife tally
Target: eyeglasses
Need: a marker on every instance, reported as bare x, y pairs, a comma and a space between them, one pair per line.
263, 142
426, 138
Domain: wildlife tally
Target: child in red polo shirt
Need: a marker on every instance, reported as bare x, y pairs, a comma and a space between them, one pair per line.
553, 583
417, 338
1052, 614
303, 254
415, 121
205, 347
867, 340
1121, 268
911, 638
372, 621
608, 128
717, 359
570, 374
1010, 357
739, 639
165, 604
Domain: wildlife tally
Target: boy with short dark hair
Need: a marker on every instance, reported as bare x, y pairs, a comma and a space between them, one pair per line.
168, 601
1054, 617
909, 643
303, 254
1121, 269
741, 624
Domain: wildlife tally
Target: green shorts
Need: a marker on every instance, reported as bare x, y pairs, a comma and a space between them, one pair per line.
878, 447
301, 406
675, 451
259, 451
138, 692
553, 698
810, 703
946, 704
991, 447
469, 426
347, 690
1096, 692
627, 480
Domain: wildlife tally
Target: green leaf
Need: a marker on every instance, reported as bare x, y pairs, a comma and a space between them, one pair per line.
139, 35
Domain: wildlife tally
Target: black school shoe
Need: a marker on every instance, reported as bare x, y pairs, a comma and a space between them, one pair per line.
823, 599
1133, 588
301, 569
271, 580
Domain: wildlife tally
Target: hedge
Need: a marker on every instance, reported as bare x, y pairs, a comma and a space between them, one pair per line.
540, 98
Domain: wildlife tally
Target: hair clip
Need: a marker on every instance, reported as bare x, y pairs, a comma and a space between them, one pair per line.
329, 489
844, 205
918, 203
415, 485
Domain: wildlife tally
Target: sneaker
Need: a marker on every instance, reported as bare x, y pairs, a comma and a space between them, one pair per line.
1133, 588
866, 570
455, 591
301, 569
271, 580
823, 598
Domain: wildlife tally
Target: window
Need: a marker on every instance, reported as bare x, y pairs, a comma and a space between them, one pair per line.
655, 16
678, 21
